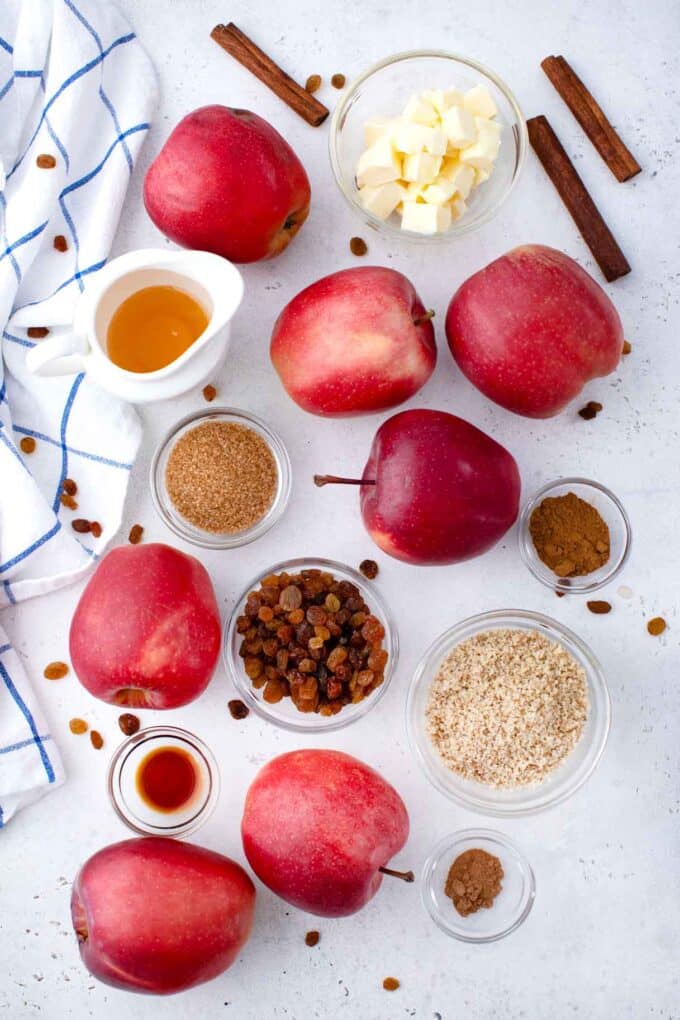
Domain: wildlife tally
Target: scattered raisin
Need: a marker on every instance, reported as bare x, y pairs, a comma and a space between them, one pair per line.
60, 243
128, 723
591, 410
627, 347
312, 938
135, 536
358, 246
55, 671
45, 161
338, 81
77, 726
369, 568
209, 393
68, 501
656, 626
599, 607
37, 332
313, 83
81, 526
95, 529
27, 444
237, 709
96, 739
390, 984
70, 487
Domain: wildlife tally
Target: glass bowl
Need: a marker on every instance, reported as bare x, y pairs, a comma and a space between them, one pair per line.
130, 806
557, 785
184, 528
284, 713
383, 90
612, 512
511, 907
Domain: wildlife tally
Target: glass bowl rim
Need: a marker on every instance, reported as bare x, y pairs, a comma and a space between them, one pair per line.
204, 812
336, 722
239, 538
571, 586
595, 678
446, 844
463, 227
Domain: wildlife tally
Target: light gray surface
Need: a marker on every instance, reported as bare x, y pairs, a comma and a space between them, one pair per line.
602, 939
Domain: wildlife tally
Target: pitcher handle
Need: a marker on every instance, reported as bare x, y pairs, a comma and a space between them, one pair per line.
58, 355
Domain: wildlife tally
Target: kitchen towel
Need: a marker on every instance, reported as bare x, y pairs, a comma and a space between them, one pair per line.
76, 94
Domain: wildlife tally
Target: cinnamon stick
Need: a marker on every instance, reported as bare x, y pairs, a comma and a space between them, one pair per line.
243, 49
591, 117
575, 196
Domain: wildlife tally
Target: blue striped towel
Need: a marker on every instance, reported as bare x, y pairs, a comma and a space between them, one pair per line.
76, 85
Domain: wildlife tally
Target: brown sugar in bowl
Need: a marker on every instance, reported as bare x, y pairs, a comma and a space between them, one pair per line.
220, 478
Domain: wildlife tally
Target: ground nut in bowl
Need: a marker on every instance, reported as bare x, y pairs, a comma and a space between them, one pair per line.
540, 763
384, 90
366, 663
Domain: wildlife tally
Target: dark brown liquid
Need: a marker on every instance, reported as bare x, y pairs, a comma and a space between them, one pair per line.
167, 778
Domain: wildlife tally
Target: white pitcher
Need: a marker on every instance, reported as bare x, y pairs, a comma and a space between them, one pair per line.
211, 280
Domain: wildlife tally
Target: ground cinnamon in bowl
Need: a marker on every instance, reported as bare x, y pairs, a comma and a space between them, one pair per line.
474, 881
221, 476
569, 535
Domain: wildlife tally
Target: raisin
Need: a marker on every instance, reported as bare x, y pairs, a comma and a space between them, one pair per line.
237, 709
135, 536
390, 984
209, 393
358, 246
297, 616
69, 486
68, 501
253, 667
55, 671
369, 568
290, 598
274, 692
336, 657
81, 526
265, 614
599, 607
656, 626
27, 444
338, 81
95, 529
96, 740
77, 726
128, 723
60, 243
313, 84
316, 616
37, 332
312, 938
45, 161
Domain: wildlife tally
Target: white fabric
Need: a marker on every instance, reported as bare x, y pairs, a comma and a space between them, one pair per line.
74, 84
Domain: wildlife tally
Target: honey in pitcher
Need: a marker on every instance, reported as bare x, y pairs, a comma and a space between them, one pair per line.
153, 327
166, 778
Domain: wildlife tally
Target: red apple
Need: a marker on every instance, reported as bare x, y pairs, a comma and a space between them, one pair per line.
156, 915
435, 489
146, 631
318, 827
531, 329
355, 341
226, 181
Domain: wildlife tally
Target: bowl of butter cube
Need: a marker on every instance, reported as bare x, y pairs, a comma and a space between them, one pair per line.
427, 145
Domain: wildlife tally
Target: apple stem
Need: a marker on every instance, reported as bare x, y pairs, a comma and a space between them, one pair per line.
321, 480
405, 876
425, 317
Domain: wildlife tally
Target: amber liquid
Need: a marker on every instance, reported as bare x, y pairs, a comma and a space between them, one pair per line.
153, 327
166, 778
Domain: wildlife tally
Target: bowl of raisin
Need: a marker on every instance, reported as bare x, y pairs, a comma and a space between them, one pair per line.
310, 645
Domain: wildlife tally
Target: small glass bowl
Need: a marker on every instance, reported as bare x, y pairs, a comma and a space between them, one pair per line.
615, 517
511, 907
284, 713
558, 785
134, 811
383, 90
185, 529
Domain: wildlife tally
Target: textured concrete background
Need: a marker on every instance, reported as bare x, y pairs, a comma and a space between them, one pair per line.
602, 939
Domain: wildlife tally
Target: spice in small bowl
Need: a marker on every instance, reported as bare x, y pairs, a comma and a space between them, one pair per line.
574, 535
221, 478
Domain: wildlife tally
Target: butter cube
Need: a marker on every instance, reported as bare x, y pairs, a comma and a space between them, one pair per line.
460, 175
412, 138
459, 126
482, 174
479, 103
440, 192
421, 167
413, 192
484, 150
443, 99
420, 110
375, 129
383, 200
422, 218
379, 164
457, 208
